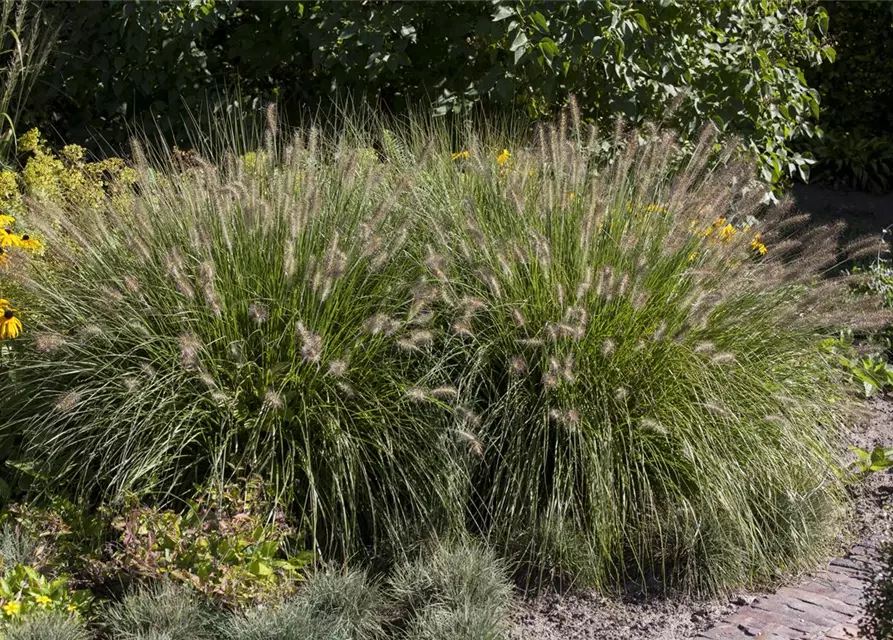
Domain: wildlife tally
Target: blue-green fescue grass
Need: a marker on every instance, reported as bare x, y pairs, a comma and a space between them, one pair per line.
330, 604
577, 360
157, 611
51, 625
16, 546
456, 590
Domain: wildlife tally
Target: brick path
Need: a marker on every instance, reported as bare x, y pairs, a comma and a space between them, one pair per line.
824, 606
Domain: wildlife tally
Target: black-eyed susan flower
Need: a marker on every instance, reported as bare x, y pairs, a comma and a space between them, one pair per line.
503, 158
757, 245
6, 220
29, 243
8, 238
717, 224
727, 233
10, 325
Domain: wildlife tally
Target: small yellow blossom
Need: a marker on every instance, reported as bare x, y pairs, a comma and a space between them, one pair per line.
503, 158
717, 224
572, 196
71, 608
727, 233
43, 600
461, 155
12, 608
692, 256
6, 220
757, 245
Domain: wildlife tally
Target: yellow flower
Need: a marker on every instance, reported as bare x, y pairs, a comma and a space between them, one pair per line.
572, 196
32, 244
8, 238
10, 325
461, 155
43, 600
757, 245
12, 608
2, 256
692, 256
6, 220
503, 158
727, 233
71, 608
719, 222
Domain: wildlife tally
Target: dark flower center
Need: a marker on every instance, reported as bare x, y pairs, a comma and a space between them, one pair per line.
8, 314
26, 237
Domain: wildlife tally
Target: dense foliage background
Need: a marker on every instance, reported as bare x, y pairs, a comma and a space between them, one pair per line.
857, 147
737, 63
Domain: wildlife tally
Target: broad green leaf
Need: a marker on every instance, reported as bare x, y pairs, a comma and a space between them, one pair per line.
643, 23
519, 42
549, 48
540, 21
503, 12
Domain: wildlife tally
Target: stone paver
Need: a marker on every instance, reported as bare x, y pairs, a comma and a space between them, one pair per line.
824, 606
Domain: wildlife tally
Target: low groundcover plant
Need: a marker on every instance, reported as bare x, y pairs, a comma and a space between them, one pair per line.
610, 371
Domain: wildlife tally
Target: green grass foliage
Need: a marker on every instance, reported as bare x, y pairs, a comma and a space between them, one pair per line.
593, 365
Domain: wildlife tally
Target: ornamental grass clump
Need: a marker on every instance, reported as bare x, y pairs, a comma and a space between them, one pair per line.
610, 370
640, 345
258, 316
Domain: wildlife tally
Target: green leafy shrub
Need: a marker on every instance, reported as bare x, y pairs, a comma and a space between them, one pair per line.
47, 626
877, 623
330, 604
738, 63
157, 611
855, 150
610, 371
221, 545
849, 159
455, 591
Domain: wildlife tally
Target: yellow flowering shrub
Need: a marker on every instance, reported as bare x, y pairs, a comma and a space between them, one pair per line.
68, 179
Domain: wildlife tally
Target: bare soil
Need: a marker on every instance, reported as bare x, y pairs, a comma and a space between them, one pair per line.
585, 614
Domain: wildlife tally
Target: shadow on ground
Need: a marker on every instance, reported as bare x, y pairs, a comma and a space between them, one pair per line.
864, 213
